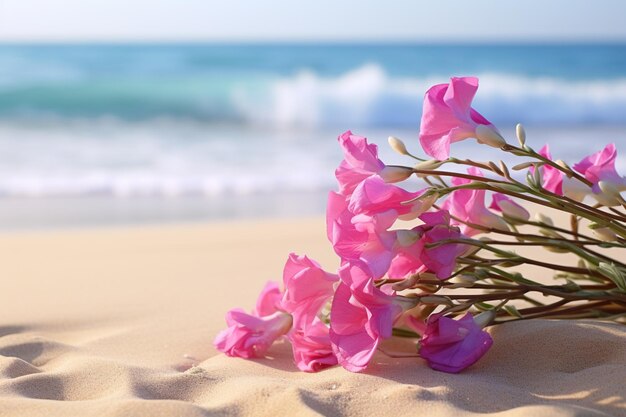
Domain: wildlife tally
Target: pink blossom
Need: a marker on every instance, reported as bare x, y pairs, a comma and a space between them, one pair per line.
408, 258
441, 260
307, 289
360, 161
468, 205
312, 350
268, 301
249, 336
361, 316
448, 117
292, 313
599, 169
508, 206
373, 196
552, 178
361, 237
452, 345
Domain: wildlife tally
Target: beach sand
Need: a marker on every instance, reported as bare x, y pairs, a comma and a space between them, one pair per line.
120, 322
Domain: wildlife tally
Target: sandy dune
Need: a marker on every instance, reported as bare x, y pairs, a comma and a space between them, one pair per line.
119, 322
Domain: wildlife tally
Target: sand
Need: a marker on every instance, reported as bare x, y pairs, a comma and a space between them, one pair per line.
120, 322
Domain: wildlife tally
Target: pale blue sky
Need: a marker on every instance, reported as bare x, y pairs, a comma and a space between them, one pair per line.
330, 20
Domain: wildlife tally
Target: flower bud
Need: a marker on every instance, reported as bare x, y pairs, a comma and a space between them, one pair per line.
610, 195
542, 218
575, 189
485, 318
489, 136
394, 173
429, 165
407, 238
512, 210
523, 165
605, 234
562, 164
397, 145
521, 134
462, 281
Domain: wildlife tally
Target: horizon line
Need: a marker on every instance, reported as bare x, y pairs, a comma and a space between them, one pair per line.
357, 41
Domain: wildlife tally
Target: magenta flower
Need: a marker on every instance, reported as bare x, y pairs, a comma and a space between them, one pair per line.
508, 206
441, 260
552, 178
250, 336
448, 117
413, 254
361, 316
292, 313
452, 345
468, 206
374, 196
361, 237
408, 258
307, 289
599, 169
360, 161
268, 301
312, 350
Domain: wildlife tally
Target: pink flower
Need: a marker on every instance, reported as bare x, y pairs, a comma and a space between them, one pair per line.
373, 196
448, 117
268, 301
509, 207
360, 161
599, 169
452, 345
361, 316
552, 177
557, 183
249, 336
361, 237
307, 289
293, 313
312, 350
468, 206
441, 260
413, 255
408, 258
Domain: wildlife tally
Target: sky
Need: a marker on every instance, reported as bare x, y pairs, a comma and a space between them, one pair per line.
320, 20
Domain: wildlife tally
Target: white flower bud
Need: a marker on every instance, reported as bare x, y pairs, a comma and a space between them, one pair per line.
430, 165
513, 210
489, 136
462, 281
394, 173
605, 234
575, 189
542, 218
397, 145
521, 134
485, 318
610, 195
407, 237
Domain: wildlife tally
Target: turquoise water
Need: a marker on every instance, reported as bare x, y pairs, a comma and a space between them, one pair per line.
256, 84
232, 120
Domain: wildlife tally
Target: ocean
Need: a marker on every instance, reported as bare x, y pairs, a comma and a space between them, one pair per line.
109, 134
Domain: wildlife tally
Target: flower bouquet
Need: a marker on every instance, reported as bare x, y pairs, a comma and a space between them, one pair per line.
439, 265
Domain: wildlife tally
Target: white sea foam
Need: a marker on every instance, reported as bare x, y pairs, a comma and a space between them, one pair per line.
368, 96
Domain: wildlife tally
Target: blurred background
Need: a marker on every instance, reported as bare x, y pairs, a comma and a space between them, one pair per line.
116, 112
